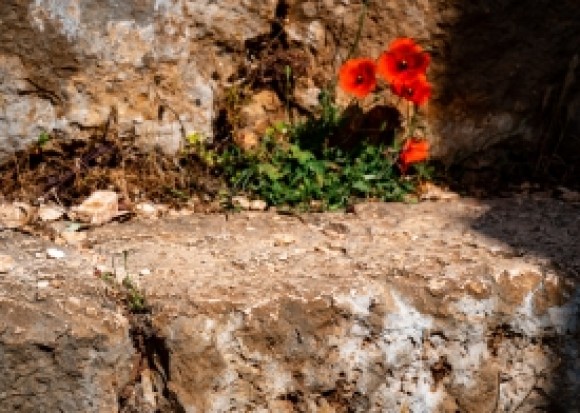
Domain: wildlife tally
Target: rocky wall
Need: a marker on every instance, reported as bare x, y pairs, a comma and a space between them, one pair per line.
162, 69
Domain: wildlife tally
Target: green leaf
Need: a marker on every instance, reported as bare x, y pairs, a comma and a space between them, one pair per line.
270, 171
43, 138
300, 155
361, 186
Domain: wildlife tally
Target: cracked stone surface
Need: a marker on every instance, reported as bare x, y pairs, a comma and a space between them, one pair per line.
467, 305
64, 345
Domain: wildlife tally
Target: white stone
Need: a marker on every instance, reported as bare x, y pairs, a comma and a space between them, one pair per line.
99, 208
258, 205
146, 209
241, 202
48, 213
55, 253
42, 284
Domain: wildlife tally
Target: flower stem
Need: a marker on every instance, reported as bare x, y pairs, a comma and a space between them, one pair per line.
361, 20
413, 121
354, 46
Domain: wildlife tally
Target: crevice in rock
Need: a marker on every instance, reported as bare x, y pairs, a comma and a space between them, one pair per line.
440, 369
282, 9
148, 391
498, 334
222, 127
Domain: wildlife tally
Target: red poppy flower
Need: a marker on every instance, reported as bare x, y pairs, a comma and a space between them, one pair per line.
416, 90
358, 77
403, 60
414, 150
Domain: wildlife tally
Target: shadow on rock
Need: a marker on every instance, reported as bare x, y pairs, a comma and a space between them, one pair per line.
547, 229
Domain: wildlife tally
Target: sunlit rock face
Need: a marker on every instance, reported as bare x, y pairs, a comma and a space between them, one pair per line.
432, 307
162, 69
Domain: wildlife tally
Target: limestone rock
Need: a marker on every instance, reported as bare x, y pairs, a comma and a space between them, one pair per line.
163, 70
15, 215
147, 209
100, 207
62, 339
49, 213
258, 205
241, 202
263, 110
394, 308
416, 306
55, 253
7, 263
261, 105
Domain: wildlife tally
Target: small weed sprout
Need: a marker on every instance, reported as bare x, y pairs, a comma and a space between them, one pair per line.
130, 293
134, 297
43, 139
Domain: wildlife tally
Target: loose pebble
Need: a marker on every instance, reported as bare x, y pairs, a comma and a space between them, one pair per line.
55, 253
258, 205
7, 264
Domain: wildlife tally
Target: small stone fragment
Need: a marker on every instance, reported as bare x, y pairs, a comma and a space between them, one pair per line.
432, 192
146, 209
437, 287
241, 202
42, 284
99, 208
283, 239
144, 272
91, 311
316, 205
569, 195
7, 264
15, 215
73, 237
258, 205
48, 213
147, 388
74, 301
55, 253
477, 289
246, 139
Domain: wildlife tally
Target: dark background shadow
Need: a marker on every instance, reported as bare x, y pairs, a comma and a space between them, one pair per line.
519, 58
523, 58
549, 229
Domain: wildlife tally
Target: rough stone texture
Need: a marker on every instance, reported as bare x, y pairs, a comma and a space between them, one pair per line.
436, 307
64, 346
161, 68
70, 65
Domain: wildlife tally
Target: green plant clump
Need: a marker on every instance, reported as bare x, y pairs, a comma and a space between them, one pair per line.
295, 167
